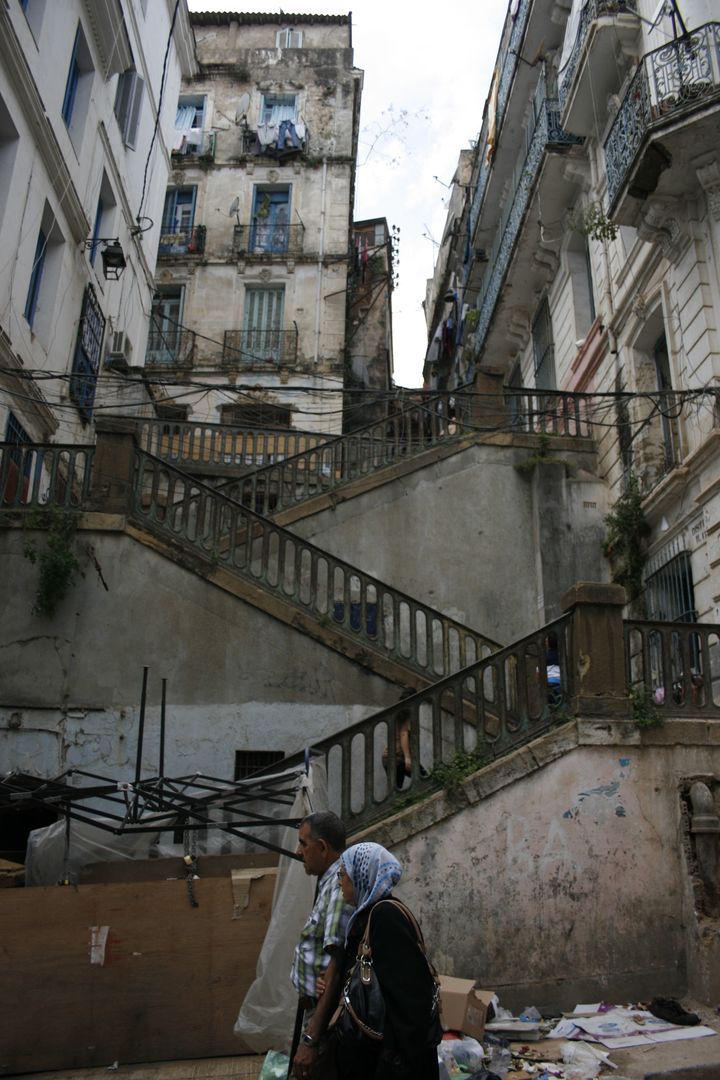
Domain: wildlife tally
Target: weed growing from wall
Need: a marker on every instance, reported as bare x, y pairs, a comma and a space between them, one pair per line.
56, 560
626, 539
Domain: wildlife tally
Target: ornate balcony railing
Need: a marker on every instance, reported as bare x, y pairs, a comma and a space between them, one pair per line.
670, 82
170, 348
486, 710
262, 238
546, 134
674, 667
508, 64
325, 588
38, 476
339, 461
550, 412
592, 10
190, 241
191, 445
243, 348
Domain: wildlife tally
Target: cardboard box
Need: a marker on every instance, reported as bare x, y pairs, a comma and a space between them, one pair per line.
463, 1007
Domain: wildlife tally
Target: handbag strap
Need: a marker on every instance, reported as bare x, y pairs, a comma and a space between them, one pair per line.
365, 951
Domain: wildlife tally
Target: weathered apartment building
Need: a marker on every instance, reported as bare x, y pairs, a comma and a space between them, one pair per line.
255, 263
85, 142
435, 551
581, 256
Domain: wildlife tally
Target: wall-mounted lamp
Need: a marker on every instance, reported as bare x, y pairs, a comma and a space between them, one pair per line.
111, 253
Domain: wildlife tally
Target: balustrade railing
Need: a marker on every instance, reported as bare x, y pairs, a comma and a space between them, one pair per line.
191, 445
243, 348
674, 668
671, 81
38, 476
591, 11
330, 590
322, 469
460, 723
549, 412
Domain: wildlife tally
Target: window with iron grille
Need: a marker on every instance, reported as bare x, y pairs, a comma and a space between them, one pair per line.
669, 592
544, 348
249, 761
86, 362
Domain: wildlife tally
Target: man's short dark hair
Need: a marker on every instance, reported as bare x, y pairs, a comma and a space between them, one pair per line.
324, 825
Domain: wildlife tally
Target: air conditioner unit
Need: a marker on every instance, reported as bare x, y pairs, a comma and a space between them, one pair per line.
118, 350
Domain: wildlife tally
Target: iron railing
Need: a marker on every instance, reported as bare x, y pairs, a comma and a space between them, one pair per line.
188, 241
592, 10
38, 476
544, 133
170, 348
339, 461
243, 348
265, 238
204, 150
674, 668
328, 589
670, 82
507, 63
462, 722
191, 445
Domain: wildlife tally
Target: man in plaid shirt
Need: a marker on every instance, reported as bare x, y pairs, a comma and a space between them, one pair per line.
318, 953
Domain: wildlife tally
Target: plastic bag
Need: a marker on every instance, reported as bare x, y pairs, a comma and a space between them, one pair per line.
275, 1066
466, 1052
584, 1062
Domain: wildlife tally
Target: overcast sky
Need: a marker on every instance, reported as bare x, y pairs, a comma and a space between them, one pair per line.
427, 74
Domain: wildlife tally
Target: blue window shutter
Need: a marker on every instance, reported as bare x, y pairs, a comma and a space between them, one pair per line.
96, 230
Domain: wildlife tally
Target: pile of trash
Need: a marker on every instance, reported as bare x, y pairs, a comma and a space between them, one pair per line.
531, 1046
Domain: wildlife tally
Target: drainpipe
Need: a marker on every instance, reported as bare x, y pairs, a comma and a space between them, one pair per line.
321, 253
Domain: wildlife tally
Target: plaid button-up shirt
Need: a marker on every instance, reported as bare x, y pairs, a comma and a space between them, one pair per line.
323, 931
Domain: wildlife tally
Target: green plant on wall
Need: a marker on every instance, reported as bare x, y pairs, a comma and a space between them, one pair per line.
56, 560
626, 539
592, 221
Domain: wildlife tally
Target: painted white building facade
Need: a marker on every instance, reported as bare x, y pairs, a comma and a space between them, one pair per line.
85, 116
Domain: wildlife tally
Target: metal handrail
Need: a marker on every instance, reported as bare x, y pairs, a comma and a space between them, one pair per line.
248, 347
340, 596
40, 475
442, 418
674, 667
170, 348
462, 721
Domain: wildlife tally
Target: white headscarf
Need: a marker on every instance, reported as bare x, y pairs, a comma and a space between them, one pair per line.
373, 872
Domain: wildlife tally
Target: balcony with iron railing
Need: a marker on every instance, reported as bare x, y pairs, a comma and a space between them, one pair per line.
675, 96
172, 348
190, 153
250, 348
185, 241
265, 240
254, 142
544, 136
606, 30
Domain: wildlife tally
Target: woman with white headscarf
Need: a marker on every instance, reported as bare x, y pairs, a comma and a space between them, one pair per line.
408, 1050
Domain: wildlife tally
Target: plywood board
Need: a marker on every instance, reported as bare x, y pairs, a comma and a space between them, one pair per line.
169, 986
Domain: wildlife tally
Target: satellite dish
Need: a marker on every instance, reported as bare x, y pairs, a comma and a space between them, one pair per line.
242, 108
233, 209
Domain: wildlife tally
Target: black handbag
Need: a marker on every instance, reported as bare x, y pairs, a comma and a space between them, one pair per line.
362, 1003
